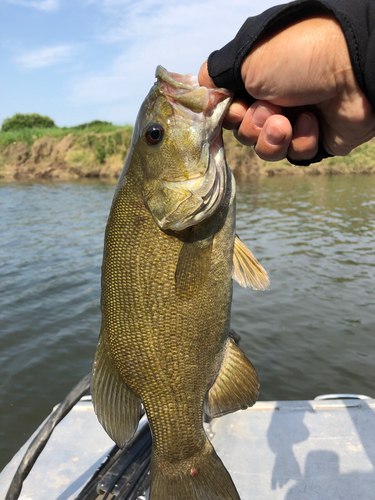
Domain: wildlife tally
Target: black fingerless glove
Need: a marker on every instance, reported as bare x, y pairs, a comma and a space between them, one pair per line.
357, 20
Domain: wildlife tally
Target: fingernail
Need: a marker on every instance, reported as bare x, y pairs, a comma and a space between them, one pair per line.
260, 115
303, 125
274, 135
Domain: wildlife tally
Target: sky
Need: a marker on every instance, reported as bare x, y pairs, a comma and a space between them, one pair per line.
82, 60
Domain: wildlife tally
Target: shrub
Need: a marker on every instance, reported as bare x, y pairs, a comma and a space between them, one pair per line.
97, 125
32, 120
110, 148
100, 154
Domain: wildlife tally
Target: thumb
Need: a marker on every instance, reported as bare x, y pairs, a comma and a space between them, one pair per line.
204, 78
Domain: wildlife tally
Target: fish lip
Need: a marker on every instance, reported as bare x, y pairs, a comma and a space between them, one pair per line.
175, 80
177, 87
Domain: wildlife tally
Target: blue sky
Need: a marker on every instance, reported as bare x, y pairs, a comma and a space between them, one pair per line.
80, 60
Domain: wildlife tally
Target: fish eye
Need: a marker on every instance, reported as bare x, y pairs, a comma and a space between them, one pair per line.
154, 134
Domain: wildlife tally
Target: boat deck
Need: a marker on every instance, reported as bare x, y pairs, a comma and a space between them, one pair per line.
288, 450
300, 450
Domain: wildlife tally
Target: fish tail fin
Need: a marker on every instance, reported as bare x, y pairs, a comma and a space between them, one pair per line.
204, 478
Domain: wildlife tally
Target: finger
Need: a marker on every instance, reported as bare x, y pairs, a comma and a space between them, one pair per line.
204, 78
274, 139
254, 120
235, 114
305, 139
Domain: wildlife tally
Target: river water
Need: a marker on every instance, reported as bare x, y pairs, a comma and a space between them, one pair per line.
312, 333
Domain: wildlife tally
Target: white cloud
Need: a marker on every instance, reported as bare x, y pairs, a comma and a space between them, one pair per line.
128, 20
46, 56
178, 35
46, 5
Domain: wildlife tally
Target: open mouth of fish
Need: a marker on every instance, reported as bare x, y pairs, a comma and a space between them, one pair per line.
204, 108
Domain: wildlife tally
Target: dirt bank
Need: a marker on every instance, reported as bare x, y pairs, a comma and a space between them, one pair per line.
50, 158
92, 155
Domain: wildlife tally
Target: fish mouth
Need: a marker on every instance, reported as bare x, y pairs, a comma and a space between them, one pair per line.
206, 109
186, 91
175, 80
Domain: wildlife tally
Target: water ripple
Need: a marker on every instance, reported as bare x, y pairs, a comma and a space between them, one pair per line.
311, 333
316, 238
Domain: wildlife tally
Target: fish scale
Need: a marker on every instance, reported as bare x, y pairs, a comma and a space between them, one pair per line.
148, 280
167, 291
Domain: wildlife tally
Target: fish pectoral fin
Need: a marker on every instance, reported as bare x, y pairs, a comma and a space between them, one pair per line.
236, 386
192, 268
118, 409
246, 269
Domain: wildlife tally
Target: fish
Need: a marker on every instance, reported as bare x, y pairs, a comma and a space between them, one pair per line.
170, 253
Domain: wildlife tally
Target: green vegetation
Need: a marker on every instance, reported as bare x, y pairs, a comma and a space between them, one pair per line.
26, 121
94, 126
28, 128
95, 149
29, 136
361, 159
244, 161
99, 149
115, 141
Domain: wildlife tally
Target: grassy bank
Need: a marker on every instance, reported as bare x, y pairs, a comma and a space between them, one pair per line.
30, 135
244, 162
64, 153
99, 150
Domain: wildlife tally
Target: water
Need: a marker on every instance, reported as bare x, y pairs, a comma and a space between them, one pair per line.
312, 333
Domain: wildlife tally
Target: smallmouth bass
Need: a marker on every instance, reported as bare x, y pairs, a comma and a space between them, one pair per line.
170, 254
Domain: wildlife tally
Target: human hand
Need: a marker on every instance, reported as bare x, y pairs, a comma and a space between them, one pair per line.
305, 88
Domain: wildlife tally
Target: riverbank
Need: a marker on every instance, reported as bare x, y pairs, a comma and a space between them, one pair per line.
64, 154
100, 152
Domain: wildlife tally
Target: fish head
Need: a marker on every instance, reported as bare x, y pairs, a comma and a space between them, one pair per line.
179, 147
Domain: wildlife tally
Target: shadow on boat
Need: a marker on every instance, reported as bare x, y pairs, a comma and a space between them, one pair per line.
325, 451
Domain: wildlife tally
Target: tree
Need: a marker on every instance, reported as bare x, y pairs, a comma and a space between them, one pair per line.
31, 120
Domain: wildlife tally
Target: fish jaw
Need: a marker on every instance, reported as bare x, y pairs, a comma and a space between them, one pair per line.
196, 199
185, 176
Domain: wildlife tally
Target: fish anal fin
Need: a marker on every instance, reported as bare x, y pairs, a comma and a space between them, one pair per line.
236, 386
192, 268
246, 269
118, 409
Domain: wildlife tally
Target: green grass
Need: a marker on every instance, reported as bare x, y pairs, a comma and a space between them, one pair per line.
30, 135
362, 157
90, 147
99, 143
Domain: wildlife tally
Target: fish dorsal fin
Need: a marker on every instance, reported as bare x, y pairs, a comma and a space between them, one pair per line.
192, 268
246, 269
236, 386
116, 406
